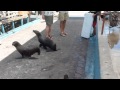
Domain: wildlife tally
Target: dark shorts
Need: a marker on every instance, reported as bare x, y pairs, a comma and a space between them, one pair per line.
49, 20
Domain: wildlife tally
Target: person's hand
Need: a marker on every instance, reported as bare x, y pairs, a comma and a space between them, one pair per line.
43, 17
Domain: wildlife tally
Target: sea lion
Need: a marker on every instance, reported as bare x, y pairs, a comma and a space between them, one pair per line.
45, 42
26, 52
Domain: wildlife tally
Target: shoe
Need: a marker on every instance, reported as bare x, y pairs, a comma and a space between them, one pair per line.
49, 37
62, 34
65, 33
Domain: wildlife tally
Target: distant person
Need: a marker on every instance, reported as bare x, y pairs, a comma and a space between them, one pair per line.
63, 17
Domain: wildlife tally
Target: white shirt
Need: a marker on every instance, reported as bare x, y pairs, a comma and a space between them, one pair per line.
48, 13
63, 11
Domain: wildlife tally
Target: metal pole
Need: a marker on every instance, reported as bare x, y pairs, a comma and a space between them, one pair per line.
21, 21
27, 19
36, 14
3, 29
13, 25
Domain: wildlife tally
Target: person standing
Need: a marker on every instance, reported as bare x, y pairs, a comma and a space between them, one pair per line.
48, 16
95, 14
63, 16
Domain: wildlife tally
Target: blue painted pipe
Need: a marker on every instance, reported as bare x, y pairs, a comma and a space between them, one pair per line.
21, 22
3, 29
27, 19
3, 36
0, 33
13, 25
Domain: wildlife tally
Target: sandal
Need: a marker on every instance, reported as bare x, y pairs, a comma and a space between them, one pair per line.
62, 34
65, 33
49, 37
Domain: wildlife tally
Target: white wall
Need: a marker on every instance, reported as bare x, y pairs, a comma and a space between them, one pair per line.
77, 13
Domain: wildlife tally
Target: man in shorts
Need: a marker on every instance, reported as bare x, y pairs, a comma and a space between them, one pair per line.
95, 14
63, 16
48, 16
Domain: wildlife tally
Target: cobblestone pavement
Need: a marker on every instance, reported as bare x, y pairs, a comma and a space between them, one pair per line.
70, 59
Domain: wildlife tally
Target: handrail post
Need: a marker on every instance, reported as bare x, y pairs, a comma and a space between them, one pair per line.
3, 29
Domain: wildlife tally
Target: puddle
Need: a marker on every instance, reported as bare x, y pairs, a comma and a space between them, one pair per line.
114, 38
114, 45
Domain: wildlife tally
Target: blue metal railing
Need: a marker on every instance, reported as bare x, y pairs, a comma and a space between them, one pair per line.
4, 34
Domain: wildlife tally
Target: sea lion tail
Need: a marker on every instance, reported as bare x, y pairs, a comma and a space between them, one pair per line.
57, 49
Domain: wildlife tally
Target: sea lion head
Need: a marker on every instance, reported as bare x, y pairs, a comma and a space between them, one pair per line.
37, 33
16, 43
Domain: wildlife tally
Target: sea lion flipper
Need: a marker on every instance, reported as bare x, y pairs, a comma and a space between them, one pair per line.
38, 51
45, 47
48, 50
58, 49
40, 45
23, 56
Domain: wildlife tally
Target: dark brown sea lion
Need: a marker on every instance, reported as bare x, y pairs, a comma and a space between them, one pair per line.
26, 52
45, 42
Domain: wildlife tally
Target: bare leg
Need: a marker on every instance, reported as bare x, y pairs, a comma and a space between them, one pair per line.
62, 26
48, 31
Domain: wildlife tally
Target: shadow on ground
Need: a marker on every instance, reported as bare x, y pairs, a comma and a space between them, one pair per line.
51, 65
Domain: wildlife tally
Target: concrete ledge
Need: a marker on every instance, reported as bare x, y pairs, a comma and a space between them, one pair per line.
98, 62
105, 61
